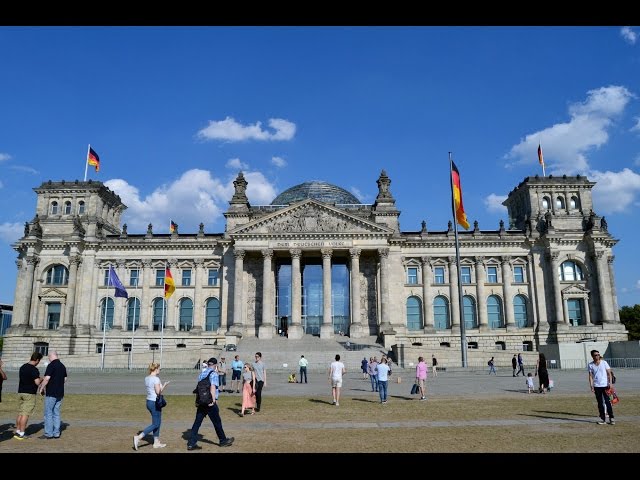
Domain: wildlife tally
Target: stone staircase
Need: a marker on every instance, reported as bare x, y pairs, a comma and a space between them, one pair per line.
283, 354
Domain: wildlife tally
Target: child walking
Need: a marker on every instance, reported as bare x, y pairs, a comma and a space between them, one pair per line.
529, 382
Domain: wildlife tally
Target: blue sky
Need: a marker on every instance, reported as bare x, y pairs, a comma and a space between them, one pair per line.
176, 112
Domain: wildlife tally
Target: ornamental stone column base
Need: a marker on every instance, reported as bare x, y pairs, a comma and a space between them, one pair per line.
484, 329
295, 332
18, 330
67, 329
429, 329
356, 330
388, 339
455, 329
265, 332
512, 327
231, 339
195, 331
326, 332
562, 327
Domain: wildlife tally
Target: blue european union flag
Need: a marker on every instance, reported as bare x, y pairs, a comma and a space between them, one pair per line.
115, 281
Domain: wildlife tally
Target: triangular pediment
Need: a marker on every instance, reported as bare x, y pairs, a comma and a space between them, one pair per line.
310, 216
52, 294
575, 290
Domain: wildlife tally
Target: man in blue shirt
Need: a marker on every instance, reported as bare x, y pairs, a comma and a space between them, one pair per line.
210, 410
236, 373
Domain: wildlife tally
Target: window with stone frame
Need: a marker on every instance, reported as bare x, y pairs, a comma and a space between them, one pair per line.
212, 278
465, 274
492, 274
160, 277
518, 274
186, 277
134, 277
438, 275
412, 275
57, 275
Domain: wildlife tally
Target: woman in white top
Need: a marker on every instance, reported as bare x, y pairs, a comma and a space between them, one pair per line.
154, 388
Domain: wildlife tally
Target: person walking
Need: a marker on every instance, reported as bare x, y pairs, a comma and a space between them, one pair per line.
514, 364
382, 370
261, 378
302, 363
492, 367
542, 373
211, 410
599, 381
336, 371
222, 374
434, 365
154, 388
421, 377
248, 389
520, 365
3, 377
236, 373
28, 381
371, 369
52, 387
363, 365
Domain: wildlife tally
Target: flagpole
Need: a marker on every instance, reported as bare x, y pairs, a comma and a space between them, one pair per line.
133, 330
463, 336
104, 321
86, 163
164, 307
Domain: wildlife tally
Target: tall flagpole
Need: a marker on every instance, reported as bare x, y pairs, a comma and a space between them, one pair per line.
164, 307
463, 336
86, 163
133, 329
104, 321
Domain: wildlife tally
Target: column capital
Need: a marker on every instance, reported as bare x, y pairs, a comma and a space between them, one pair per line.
505, 260
553, 256
267, 253
451, 260
121, 263
198, 262
383, 252
75, 260
610, 259
295, 252
146, 264
326, 252
33, 261
426, 260
19, 264
479, 260
355, 252
172, 262
239, 253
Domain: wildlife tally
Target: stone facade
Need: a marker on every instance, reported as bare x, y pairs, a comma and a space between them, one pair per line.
545, 279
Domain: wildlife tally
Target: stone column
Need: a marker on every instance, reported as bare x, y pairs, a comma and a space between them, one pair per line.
427, 301
614, 296
146, 305
562, 320
198, 302
326, 329
481, 278
606, 313
20, 321
295, 329
171, 316
265, 330
456, 315
238, 328
385, 321
532, 316
507, 300
74, 262
355, 329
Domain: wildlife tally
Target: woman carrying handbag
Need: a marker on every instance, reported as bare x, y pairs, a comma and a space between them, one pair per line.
154, 388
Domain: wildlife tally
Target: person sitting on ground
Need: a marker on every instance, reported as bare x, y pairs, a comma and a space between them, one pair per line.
292, 378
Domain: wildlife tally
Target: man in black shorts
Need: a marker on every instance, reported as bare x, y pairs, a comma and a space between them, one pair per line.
236, 373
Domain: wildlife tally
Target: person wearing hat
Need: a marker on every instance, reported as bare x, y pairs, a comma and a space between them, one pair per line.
211, 410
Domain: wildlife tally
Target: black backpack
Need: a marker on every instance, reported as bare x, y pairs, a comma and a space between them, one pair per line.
203, 392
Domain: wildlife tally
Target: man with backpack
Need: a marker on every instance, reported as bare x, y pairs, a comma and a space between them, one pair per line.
207, 405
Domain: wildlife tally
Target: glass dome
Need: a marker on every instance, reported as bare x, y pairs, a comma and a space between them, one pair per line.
321, 191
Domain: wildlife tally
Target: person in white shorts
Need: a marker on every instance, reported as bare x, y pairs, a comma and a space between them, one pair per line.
336, 371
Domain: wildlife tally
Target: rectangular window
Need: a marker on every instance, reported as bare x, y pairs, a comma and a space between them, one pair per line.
492, 274
186, 278
134, 277
465, 274
212, 281
106, 278
518, 274
439, 274
98, 348
160, 277
412, 275
53, 315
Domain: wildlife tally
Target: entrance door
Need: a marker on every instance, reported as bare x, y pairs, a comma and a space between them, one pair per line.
574, 307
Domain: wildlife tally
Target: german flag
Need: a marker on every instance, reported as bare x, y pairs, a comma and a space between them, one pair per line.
93, 159
169, 284
461, 217
173, 226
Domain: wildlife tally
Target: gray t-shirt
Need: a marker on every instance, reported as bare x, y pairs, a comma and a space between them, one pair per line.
259, 368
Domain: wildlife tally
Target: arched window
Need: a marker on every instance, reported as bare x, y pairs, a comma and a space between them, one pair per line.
414, 314
186, 314
494, 312
470, 317
574, 203
560, 203
546, 203
57, 275
441, 313
106, 314
570, 271
212, 320
158, 313
54, 208
133, 314
520, 311
81, 207
67, 208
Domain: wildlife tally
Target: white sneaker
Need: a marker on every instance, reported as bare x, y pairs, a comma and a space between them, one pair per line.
337, 404
136, 440
159, 445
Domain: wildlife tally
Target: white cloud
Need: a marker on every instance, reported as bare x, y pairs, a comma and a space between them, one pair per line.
11, 232
232, 131
565, 145
629, 35
279, 162
636, 162
237, 164
4, 157
494, 203
22, 168
615, 191
193, 198
636, 127
358, 194
637, 287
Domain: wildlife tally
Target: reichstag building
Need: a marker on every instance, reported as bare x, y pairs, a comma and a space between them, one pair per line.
318, 262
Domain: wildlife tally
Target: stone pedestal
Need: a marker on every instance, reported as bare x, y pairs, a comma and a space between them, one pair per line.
265, 332
295, 332
326, 332
356, 330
